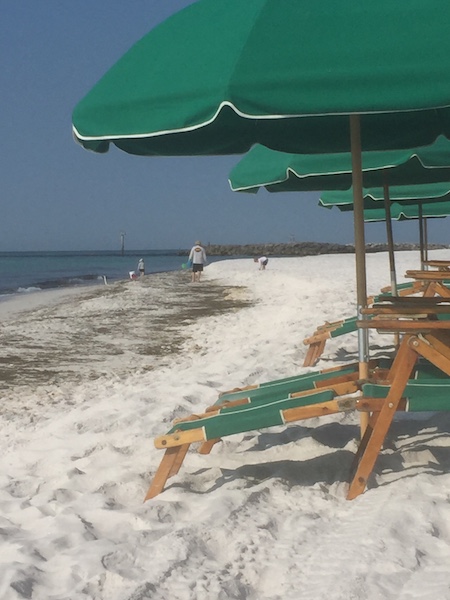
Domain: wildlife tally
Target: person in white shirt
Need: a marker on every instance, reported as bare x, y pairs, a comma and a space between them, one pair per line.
198, 258
262, 261
141, 267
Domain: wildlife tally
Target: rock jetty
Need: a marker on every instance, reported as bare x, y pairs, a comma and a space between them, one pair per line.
298, 249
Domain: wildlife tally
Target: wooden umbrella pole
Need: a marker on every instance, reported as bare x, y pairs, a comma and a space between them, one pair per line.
360, 244
421, 238
390, 238
390, 241
360, 252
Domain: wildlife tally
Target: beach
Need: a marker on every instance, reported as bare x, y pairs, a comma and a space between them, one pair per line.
90, 376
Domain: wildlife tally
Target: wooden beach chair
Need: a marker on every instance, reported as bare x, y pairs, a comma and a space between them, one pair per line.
329, 330
282, 388
417, 379
434, 282
318, 394
317, 341
425, 337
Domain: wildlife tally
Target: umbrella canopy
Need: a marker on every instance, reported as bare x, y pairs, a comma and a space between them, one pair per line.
409, 195
209, 81
287, 172
403, 211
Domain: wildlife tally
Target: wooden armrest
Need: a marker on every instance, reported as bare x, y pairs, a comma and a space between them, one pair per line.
318, 337
418, 326
437, 263
428, 275
414, 301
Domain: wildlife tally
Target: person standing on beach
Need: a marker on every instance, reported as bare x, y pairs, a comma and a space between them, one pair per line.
141, 267
262, 261
198, 258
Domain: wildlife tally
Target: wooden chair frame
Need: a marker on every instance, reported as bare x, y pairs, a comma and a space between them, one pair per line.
432, 280
177, 444
427, 339
423, 336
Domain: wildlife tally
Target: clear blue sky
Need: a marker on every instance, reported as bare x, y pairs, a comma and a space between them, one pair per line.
57, 196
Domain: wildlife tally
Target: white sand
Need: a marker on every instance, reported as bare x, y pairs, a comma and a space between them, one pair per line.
264, 516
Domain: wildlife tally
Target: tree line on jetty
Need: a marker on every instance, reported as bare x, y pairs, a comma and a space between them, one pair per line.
299, 249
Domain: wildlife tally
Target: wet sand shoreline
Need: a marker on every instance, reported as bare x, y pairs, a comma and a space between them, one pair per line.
67, 336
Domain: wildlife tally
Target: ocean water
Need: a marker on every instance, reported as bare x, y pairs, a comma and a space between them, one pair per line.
22, 272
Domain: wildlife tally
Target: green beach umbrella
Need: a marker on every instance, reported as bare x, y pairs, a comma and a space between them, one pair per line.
405, 211
286, 172
299, 76
433, 193
217, 77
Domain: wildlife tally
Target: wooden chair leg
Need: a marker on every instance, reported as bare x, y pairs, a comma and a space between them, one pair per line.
165, 470
319, 351
178, 460
206, 447
429, 291
310, 355
374, 437
442, 290
315, 352
361, 447
371, 421
363, 424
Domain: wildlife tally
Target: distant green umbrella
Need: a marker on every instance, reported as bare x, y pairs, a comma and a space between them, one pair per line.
405, 211
407, 195
299, 76
286, 172
405, 202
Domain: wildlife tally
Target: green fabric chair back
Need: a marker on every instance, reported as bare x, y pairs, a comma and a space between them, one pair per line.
248, 417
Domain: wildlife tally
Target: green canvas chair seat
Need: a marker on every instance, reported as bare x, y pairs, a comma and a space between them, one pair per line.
281, 388
421, 395
347, 326
239, 419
